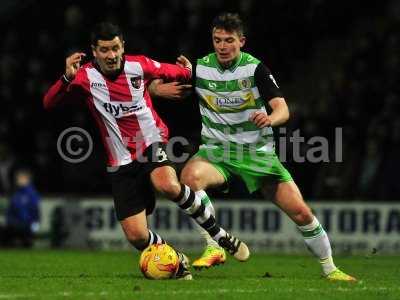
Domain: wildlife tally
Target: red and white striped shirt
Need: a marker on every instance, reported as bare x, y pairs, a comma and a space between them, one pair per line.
121, 106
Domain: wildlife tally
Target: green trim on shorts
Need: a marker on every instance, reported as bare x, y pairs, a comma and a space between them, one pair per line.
252, 167
223, 172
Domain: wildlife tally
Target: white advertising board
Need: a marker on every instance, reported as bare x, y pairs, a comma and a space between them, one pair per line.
353, 227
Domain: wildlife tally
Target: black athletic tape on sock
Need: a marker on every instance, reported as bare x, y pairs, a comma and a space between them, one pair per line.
181, 193
209, 223
213, 231
189, 202
199, 212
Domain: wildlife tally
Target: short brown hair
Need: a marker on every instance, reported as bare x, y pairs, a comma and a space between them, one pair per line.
230, 22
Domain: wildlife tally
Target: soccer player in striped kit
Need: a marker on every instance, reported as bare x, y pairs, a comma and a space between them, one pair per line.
114, 87
235, 90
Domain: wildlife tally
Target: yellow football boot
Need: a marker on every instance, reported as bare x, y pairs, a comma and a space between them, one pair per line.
211, 256
338, 275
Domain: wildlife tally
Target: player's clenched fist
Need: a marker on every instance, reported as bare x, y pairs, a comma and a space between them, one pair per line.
261, 119
72, 64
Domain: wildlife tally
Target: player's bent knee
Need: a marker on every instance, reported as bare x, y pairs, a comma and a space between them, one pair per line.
192, 180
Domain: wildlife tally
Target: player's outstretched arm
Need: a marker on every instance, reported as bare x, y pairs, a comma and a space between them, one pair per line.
181, 71
170, 90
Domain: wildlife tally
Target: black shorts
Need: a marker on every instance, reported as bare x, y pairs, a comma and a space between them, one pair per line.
131, 185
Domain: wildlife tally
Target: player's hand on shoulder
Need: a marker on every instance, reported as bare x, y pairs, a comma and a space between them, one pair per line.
72, 64
261, 119
184, 62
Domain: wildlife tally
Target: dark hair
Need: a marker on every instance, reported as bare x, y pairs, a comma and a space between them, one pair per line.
105, 31
23, 170
230, 22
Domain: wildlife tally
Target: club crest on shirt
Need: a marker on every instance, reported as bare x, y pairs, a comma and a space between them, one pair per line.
136, 82
244, 83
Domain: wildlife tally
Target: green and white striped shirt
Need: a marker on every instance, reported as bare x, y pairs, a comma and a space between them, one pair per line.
227, 99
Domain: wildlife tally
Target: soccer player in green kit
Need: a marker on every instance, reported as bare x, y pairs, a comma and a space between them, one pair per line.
234, 90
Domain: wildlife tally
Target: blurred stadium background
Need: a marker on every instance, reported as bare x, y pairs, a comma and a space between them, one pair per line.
337, 63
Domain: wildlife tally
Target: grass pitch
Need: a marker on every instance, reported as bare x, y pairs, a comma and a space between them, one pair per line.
115, 275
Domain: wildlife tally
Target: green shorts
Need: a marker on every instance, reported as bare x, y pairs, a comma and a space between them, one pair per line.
253, 167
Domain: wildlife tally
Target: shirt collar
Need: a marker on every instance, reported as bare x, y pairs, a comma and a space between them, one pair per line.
114, 76
233, 67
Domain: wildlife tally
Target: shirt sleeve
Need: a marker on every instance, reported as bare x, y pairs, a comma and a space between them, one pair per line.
60, 91
266, 83
169, 72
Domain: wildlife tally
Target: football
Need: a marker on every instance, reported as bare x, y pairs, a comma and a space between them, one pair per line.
159, 261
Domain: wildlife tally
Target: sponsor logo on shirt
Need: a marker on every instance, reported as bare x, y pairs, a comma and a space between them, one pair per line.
212, 85
229, 101
98, 85
121, 110
206, 59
